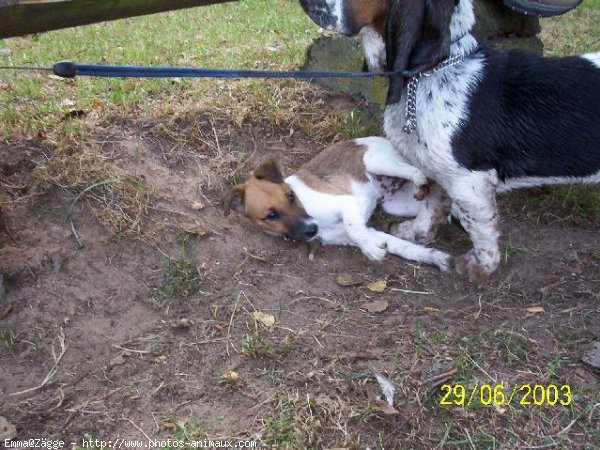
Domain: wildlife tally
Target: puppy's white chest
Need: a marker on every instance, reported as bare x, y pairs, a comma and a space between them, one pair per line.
328, 210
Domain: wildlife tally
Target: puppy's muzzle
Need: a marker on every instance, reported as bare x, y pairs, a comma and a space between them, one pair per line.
304, 230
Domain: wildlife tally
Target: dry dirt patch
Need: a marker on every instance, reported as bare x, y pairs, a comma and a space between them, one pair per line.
154, 300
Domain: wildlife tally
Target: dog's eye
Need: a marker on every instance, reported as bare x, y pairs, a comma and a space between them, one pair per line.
272, 216
291, 197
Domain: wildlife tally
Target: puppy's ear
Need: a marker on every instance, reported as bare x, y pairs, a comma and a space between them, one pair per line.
235, 200
417, 38
268, 171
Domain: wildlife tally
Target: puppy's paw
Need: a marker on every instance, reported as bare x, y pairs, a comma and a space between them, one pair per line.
375, 249
421, 191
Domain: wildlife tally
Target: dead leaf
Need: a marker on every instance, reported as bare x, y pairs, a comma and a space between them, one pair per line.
197, 206
578, 307
97, 104
377, 306
535, 309
6, 311
545, 290
116, 361
326, 402
384, 407
267, 320
194, 228
231, 376
431, 309
348, 279
184, 322
592, 356
7, 430
377, 286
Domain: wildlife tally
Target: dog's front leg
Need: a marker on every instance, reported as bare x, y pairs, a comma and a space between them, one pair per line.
475, 200
415, 252
355, 225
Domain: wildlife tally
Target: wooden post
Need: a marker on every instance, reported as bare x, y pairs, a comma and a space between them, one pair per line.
21, 17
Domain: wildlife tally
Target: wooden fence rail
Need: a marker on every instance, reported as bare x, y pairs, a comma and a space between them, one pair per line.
21, 17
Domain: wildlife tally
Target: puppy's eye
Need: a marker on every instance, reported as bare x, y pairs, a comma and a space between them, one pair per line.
272, 216
291, 197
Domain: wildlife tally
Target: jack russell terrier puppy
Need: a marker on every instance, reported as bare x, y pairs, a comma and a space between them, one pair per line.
331, 198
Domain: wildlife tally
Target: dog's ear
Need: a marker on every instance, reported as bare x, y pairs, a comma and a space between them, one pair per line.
417, 38
434, 45
235, 200
269, 171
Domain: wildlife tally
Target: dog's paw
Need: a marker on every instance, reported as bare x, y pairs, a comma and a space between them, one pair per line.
468, 264
421, 191
375, 249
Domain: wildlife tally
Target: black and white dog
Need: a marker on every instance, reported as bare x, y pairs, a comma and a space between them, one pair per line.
477, 121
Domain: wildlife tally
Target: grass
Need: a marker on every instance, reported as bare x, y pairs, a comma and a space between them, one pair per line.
7, 340
573, 33
257, 345
180, 278
211, 36
578, 203
120, 201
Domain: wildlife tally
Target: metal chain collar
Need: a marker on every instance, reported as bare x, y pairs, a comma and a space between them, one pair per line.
411, 91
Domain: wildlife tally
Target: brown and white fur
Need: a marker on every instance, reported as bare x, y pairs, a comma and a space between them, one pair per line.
493, 122
331, 198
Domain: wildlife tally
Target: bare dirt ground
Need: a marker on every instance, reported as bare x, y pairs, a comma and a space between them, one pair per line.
145, 327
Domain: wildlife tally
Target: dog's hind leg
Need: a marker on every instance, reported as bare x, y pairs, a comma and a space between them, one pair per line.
475, 200
415, 252
432, 213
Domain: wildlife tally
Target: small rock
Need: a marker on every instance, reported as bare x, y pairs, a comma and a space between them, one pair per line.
197, 206
592, 356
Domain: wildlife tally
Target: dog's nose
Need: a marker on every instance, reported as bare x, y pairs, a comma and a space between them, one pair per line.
311, 231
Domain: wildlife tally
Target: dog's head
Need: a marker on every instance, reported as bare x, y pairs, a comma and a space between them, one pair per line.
348, 17
271, 204
417, 33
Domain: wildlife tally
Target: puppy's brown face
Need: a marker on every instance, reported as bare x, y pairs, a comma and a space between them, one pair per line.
270, 203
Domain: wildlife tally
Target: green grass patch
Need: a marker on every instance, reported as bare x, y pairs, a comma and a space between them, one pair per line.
270, 34
573, 33
180, 278
580, 203
257, 345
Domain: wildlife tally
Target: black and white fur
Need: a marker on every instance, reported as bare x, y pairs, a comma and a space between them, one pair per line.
496, 121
